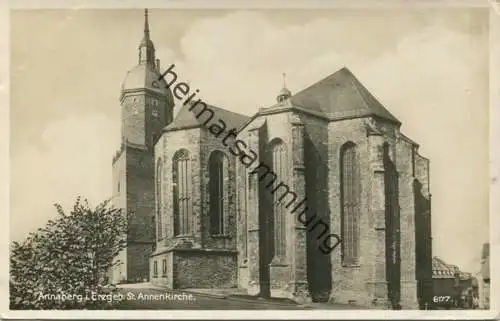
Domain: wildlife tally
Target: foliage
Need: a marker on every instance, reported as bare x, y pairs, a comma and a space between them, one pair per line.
70, 256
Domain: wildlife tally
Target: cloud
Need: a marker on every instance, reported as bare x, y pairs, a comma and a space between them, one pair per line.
75, 159
433, 78
430, 72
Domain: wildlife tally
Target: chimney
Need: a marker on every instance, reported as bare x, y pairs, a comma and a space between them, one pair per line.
158, 64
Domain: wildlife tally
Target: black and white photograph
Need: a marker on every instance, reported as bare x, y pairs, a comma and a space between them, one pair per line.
335, 159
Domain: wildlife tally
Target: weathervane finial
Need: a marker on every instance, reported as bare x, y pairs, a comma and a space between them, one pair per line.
146, 23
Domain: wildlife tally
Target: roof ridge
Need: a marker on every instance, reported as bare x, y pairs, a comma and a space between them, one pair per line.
355, 82
186, 117
317, 83
342, 94
363, 92
191, 103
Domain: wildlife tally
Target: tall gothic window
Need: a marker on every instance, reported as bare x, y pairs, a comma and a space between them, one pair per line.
280, 166
181, 191
159, 221
350, 198
217, 164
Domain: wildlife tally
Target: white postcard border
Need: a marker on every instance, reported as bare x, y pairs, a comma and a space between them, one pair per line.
494, 7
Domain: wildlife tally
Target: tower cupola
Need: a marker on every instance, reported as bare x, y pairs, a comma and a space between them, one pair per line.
284, 93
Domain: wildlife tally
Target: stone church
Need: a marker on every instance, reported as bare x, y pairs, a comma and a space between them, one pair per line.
201, 216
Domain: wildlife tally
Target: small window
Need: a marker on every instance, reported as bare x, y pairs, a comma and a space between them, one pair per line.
154, 102
164, 267
118, 187
155, 269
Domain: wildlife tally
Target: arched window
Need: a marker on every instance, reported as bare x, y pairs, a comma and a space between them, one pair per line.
280, 166
159, 226
217, 164
350, 198
181, 191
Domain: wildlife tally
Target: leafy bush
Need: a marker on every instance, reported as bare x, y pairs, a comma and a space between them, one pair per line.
70, 258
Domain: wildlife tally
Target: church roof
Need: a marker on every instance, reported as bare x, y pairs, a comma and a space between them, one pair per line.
186, 118
341, 95
145, 76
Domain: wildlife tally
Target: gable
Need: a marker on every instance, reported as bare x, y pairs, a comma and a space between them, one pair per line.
340, 96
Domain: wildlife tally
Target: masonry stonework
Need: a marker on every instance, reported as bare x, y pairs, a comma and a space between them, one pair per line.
270, 244
146, 107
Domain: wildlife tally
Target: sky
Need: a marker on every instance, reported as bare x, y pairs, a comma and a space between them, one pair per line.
428, 67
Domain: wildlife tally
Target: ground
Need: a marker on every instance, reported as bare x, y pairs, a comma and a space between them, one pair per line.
142, 297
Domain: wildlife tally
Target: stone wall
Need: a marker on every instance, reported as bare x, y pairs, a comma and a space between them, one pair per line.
170, 143
119, 200
319, 266
138, 262
405, 166
162, 278
242, 223
140, 212
189, 265
133, 191
134, 118
140, 195
204, 269
423, 217
235, 258
210, 143
354, 283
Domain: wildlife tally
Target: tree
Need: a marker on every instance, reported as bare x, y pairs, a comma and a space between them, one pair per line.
64, 264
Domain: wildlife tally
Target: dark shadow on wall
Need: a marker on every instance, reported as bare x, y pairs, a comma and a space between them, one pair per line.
393, 229
266, 226
319, 269
423, 245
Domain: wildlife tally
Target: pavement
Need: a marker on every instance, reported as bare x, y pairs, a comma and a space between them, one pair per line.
145, 296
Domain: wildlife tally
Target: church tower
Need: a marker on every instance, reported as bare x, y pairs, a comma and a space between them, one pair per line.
146, 107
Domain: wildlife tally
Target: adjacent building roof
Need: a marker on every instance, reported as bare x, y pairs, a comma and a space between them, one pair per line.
339, 96
442, 270
196, 118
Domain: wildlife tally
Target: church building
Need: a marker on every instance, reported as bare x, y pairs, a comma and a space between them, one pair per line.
206, 211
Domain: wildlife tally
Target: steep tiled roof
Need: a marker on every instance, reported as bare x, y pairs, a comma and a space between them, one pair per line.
341, 95
441, 270
338, 96
186, 118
